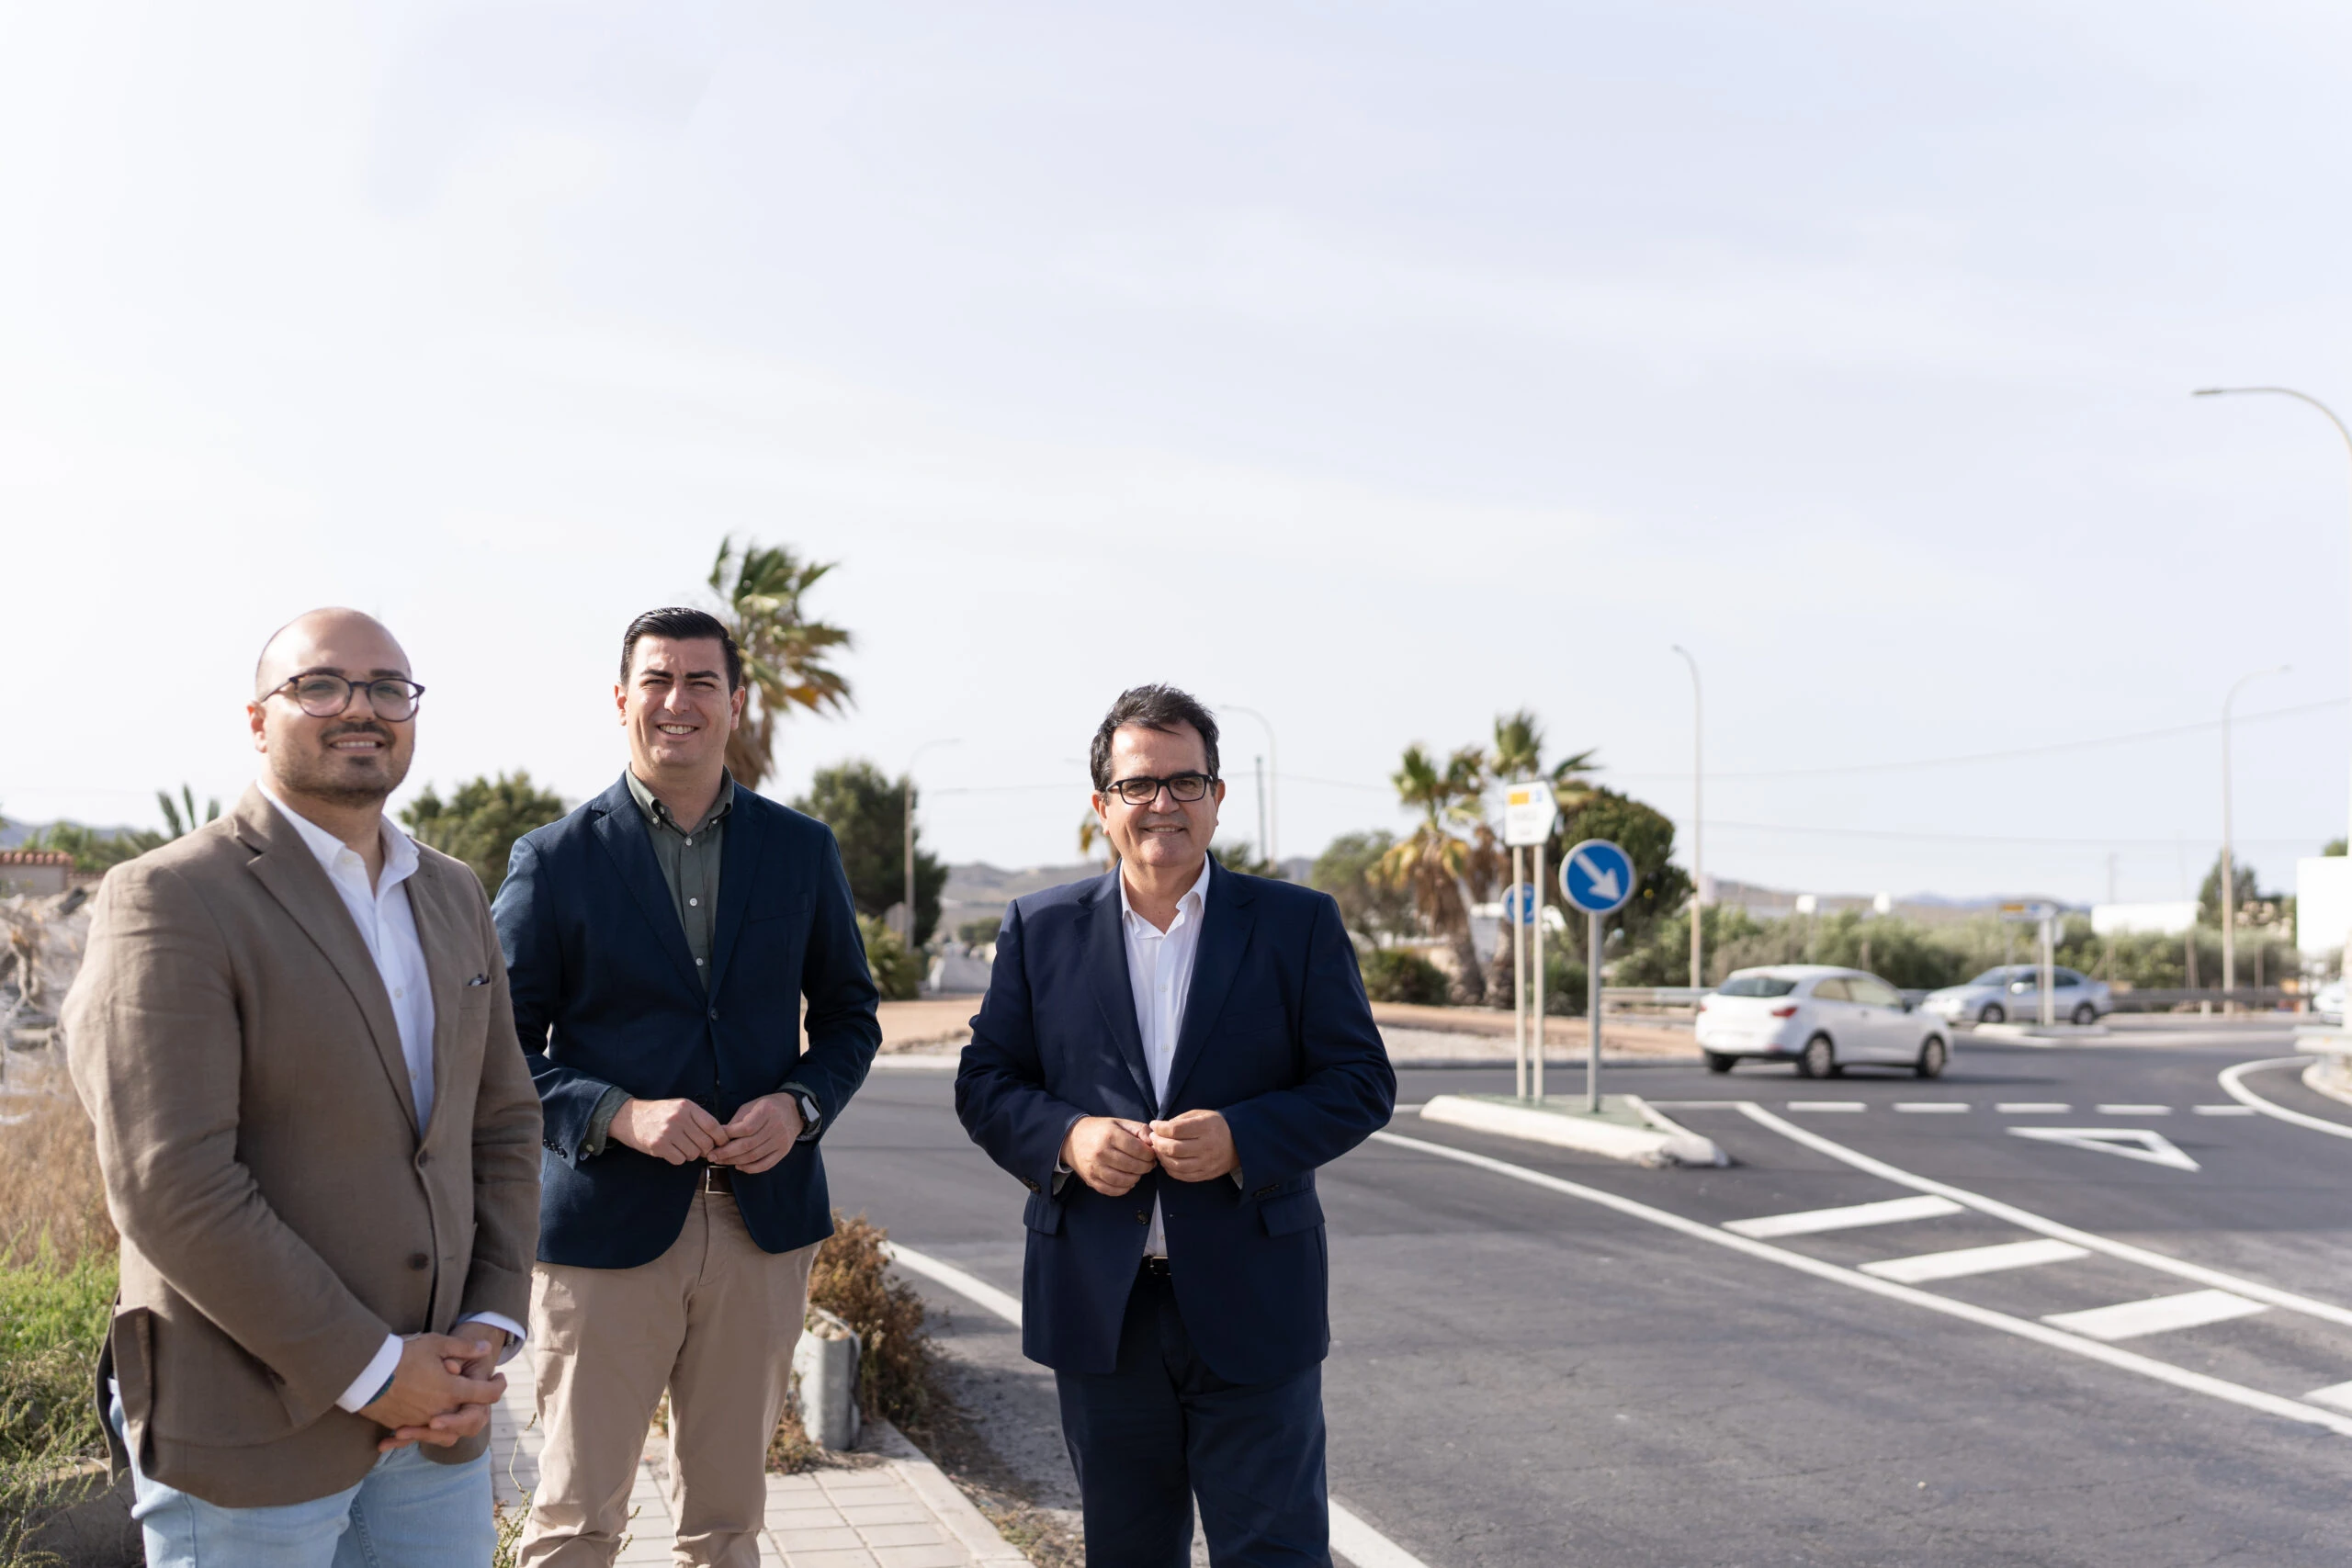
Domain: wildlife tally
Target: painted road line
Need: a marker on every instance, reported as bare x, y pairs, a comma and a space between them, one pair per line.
1961, 1262
2131, 1142
1826, 1105
2033, 1108
1931, 1107
1350, 1537
1984, 1317
2233, 1085
1854, 1216
2135, 1111
2159, 1315
2225, 1110
2337, 1395
1690, 1104
2327, 1312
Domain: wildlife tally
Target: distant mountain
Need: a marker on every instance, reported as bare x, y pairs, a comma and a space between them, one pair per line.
15, 833
1927, 909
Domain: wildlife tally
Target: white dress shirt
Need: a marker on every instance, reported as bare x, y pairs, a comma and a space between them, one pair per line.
387, 926
1159, 969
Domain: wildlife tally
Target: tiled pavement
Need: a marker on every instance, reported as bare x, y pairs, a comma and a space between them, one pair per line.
894, 1511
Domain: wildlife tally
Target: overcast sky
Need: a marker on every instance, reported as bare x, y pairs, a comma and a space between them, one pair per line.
1378, 368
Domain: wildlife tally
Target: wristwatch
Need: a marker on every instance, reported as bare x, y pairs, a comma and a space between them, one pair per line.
810, 1117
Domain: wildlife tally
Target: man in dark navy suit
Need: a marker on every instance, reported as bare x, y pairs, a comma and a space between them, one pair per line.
1165, 1057
660, 943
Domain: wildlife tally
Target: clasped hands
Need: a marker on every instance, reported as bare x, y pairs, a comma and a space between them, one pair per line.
442, 1389
679, 1131
1111, 1154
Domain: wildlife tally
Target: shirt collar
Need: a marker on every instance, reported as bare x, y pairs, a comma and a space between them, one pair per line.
658, 815
400, 850
1196, 895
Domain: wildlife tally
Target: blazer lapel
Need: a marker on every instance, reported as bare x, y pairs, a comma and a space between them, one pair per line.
621, 830
1227, 921
286, 870
739, 862
1106, 966
449, 963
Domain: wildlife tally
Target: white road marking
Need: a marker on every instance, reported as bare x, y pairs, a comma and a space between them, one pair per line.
1415, 1105
2338, 1394
1350, 1537
2233, 1085
2033, 1108
2131, 1142
2159, 1315
1961, 1262
2224, 1110
2135, 1111
2327, 1312
2020, 1328
1854, 1216
1931, 1107
1805, 1105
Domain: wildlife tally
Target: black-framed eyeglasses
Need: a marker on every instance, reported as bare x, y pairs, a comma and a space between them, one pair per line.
322, 695
1185, 788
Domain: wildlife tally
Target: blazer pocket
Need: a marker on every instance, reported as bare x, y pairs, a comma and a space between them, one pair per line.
1043, 1214
1291, 1212
132, 1344
796, 907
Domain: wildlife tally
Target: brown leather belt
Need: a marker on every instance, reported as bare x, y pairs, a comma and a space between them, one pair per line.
717, 1179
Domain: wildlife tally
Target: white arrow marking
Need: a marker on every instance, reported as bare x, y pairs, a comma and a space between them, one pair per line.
2150, 1146
1604, 883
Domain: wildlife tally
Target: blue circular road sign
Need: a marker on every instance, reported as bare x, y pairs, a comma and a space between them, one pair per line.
1597, 876
1518, 904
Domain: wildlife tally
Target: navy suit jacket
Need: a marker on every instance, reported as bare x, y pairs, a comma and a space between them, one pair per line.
605, 995
1276, 1035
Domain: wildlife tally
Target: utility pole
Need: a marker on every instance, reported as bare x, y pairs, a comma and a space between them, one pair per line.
1698, 825
1272, 828
1265, 849
907, 933
2229, 888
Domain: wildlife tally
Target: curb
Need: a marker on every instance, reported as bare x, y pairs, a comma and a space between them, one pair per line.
1662, 1143
2038, 1035
955, 1511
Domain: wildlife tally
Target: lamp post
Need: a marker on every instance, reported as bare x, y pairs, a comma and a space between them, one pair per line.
909, 784
2229, 890
2300, 397
1269, 794
1698, 830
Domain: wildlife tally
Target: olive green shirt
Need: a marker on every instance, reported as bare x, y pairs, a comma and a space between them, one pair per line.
688, 857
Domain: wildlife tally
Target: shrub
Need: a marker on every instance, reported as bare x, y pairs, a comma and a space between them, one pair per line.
851, 1279
898, 973
1399, 975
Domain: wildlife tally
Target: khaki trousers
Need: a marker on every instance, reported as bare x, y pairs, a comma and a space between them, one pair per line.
713, 1320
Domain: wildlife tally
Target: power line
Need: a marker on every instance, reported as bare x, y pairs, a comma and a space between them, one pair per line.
1980, 838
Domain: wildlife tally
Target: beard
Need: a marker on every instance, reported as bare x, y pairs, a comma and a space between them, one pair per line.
341, 777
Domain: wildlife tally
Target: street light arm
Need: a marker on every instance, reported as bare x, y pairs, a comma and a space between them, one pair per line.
2341, 429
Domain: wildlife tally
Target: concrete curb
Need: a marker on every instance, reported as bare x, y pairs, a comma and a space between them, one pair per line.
2035, 1033
946, 1501
1661, 1142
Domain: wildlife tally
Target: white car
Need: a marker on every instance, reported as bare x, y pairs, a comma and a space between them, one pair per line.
1824, 1019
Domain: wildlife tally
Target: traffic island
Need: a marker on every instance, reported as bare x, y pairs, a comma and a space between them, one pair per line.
1624, 1128
2041, 1034
2330, 1048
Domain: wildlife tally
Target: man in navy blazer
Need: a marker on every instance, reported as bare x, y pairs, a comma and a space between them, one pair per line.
660, 943
1165, 1057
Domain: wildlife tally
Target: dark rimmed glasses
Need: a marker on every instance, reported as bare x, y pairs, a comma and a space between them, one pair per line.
1185, 788
322, 695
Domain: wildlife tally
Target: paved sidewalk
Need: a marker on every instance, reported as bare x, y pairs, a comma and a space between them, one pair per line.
891, 1509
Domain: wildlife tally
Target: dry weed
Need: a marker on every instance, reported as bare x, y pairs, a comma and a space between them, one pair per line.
49, 1185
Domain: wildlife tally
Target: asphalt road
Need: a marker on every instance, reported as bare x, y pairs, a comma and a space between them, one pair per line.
1600, 1373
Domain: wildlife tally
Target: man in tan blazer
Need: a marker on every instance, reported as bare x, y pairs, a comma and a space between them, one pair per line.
320, 1144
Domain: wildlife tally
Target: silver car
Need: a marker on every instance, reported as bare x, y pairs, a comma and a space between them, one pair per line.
2012, 993
1818, 1018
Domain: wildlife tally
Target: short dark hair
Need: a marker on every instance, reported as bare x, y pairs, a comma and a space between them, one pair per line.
681, 624
1155, 707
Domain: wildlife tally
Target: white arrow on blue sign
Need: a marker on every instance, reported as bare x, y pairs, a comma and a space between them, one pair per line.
1518, 904
1597, 876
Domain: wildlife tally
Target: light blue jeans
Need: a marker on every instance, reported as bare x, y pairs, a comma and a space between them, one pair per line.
407, 1512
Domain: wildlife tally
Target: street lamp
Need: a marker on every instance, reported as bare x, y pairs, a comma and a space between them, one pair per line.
1271, 793
1698, 838
2229, 900
2300, 397
909, 784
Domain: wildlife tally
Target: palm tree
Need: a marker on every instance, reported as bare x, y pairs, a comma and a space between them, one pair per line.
1451, 857
1094, 839
784, 654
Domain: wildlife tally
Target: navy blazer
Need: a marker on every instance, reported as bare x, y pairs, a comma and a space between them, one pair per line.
1276, 1035
605, 995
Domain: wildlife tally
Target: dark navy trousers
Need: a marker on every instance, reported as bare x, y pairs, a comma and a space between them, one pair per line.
1160, 1430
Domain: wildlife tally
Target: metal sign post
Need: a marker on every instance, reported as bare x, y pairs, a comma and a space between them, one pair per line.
1529, 812
1596, 877
2039, 912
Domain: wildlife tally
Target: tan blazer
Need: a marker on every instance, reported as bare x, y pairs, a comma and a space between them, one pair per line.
231, 1038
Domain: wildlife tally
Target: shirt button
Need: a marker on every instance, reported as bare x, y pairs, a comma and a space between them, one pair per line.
690, 843
397, 991
697, 963
693, 903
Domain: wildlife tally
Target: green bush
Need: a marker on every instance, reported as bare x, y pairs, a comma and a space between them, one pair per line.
52, 1321
898, 973
1397, 975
